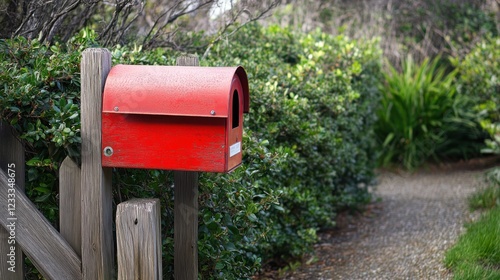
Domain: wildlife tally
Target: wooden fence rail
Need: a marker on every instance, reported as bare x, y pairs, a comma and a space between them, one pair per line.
50, 253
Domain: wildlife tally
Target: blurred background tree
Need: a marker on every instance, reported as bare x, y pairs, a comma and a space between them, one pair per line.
152, 23
421, 28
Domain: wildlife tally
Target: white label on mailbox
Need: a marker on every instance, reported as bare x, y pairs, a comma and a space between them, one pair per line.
234, 149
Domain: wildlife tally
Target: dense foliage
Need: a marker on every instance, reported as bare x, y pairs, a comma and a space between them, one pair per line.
313, 101
479, 77
40, 100
308, 145
422, 117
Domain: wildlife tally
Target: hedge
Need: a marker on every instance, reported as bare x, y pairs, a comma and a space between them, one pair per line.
308, 141
479, 78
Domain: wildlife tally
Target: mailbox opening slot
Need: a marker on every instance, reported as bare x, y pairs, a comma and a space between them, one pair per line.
236, 109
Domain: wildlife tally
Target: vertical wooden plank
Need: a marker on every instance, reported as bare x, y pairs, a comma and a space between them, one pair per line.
186, 213
185, 225
70, 215
189, 60
138, 238
97, 217
11, 152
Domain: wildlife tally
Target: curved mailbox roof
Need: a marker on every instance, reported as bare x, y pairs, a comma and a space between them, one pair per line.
173, 90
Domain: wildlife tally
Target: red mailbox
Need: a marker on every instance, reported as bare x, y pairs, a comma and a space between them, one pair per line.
174, 117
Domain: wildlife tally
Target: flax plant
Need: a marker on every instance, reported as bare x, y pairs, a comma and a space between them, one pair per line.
413, 109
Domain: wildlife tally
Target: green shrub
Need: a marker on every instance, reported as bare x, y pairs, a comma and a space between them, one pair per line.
493, 144
308, 144
421, 116
479, 76
313, 97
40, 98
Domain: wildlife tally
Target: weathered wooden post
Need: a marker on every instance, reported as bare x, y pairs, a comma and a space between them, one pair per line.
138, 238
97, 216
11, 158
186, 214
70, 204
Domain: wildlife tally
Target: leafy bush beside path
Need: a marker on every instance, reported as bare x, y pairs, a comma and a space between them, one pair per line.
422, 117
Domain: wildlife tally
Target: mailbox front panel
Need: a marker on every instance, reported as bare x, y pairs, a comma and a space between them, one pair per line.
164, 142
235, 125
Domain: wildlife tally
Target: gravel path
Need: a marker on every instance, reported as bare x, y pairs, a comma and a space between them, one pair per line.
403, 236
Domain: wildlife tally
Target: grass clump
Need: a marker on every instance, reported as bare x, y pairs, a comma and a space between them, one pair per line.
489, 197
477, 253
485, 199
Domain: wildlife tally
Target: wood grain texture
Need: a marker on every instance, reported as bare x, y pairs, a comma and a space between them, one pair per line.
188, 60
11, 151
138, 238
70, 214
46, 248
185, 225
97, 217
186, 213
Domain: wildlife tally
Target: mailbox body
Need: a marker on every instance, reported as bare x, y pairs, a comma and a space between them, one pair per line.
174, 117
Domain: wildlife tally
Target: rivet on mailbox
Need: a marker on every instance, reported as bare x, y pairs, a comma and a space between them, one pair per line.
174, 117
